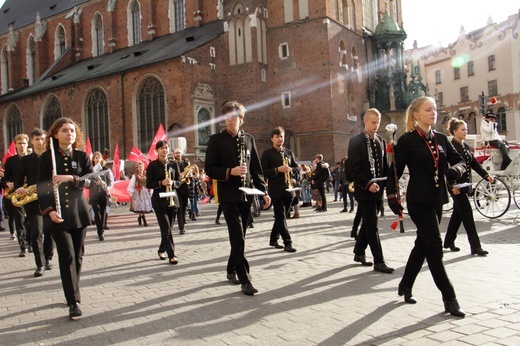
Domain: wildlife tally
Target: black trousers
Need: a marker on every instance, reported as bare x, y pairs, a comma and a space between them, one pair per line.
99, 206
17, 221
344, 193
323, 196
281, 207
70, 246
428, 245
40, 239
462, 213
368, 234
181, 211
504, 150
165, 221
237, 215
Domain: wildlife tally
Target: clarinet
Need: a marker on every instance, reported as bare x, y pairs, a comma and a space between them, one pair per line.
54, 173
242, 160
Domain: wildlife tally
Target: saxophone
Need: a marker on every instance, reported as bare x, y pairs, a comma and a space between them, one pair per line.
28, 196
287, 175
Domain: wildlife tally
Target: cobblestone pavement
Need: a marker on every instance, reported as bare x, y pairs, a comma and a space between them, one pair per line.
317, 295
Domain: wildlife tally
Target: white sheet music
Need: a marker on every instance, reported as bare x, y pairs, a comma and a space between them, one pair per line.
250, 191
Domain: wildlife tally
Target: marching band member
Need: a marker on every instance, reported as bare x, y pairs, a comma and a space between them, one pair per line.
280, 167
163, 175
232, 160
367, 161
63, 205
462, 211
141, 197
40, 239
16, 214
427, 154
99, 193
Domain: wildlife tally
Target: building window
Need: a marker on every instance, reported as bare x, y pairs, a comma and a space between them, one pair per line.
31, 64
501, 120
96, 106
464, 94
456, 72
286, 99
283, 50
178, 15
438, 77
150, 111
4, 71
440, 99
264, 75
13, 123
491, 63
288, 11
493, 88
60, 42
471, 68
134, 21
98, 36
204, 127
303, 9
51, 113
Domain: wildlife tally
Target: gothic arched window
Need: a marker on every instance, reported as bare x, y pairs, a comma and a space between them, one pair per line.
13, 123
150, 111
51, 113
98, 36
4, 70
178, 15
31, 63
60, 42
134, 21
96, 106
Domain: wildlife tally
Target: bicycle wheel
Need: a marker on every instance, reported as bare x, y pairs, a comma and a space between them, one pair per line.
492, 200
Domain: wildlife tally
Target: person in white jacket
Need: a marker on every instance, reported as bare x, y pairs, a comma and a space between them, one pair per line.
488, 130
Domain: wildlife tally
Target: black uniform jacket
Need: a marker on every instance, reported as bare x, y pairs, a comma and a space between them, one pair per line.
471, 163
155, 173
28, 174
321, 174
271, 159
184, 188
411, 150
359, 166
222, 155
74, 206
12, 167
96, 190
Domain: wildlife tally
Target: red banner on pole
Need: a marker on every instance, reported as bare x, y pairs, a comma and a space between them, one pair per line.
160, 135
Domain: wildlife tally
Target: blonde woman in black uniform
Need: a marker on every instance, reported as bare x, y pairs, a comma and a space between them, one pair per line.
462, 211
427, 154
68, 229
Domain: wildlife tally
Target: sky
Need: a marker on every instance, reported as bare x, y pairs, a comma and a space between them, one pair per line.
440, 20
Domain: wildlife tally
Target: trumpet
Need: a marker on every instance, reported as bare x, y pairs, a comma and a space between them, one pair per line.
169, 188
351, 187
28, 196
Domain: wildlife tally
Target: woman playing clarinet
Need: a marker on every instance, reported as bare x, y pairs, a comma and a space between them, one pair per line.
63, 206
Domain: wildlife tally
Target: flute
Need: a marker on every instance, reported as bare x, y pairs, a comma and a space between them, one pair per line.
54, 173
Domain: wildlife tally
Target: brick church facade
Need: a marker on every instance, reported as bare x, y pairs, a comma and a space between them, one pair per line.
121, 68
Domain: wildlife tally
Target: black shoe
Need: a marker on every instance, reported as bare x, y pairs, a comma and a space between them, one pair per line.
452, 247
38, 272
276, 245
480, 251
233, 278
248, 289
182, 231
106, 227
353, 234
48, 264
383, 268
344, 210
289, 248
351, 210
361, 259
173, 260
162, 255
407, 292
30, 249
101, 237
74, 311
453, 307
22, 253
217, 222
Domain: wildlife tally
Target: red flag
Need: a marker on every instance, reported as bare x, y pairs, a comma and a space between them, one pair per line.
88, 148
160, 135
136, 155
116, 166
10, 152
